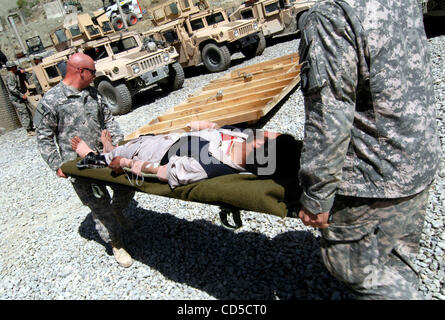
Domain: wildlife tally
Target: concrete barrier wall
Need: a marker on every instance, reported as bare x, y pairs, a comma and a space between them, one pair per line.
9, 119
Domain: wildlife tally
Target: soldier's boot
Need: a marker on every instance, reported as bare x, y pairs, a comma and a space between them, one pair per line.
120, 254
125, 223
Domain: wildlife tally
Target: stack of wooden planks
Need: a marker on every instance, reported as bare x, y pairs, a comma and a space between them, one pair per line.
243, 95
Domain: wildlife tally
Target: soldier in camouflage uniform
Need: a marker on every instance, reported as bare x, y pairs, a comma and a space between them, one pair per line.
3, 59
32, 77
73, 108
370, 148
18, 98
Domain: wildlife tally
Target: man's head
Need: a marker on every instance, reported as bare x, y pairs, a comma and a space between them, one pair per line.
11, 66
80, 71
36, 59
271, 154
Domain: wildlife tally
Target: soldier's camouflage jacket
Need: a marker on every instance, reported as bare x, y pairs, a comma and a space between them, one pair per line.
370, 126
12, 82
64, 113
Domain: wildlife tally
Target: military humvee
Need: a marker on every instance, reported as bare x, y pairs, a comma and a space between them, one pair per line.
277, 17
48, 73
78, 29
200, 34
35, 45
125, 64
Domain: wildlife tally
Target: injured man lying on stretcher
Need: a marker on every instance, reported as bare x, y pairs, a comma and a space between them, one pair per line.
206, 151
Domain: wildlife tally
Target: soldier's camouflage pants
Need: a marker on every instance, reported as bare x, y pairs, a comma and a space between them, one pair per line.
24, 114
104, 208
371, 244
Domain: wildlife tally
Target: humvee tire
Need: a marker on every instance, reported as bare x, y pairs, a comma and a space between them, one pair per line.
175, 79
118, 23
216, 58
132, 19
117, 97
255, 49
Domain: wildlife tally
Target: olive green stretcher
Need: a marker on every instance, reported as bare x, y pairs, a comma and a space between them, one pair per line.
231, 192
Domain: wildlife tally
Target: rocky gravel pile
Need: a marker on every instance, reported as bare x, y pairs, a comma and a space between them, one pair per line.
49, 248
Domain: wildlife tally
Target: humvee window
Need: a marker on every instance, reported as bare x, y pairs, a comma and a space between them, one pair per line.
74, 30
271, 7
52, 72
247, 14
62, 68
92, 30
170, 36
214, 18
158, 14
34, 41
97, 53
173, 9
197, 24
61, 36
106, 26
185, 4
125, 8
123, 45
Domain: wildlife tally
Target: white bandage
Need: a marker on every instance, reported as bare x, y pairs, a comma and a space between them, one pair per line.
155, 165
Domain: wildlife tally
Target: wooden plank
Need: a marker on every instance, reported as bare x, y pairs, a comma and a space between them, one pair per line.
289, 59
232, 99
228, 110
239, 117
271, 104
240, 89
188, 108
221, 82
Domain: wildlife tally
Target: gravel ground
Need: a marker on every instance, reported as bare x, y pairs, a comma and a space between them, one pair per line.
49, 248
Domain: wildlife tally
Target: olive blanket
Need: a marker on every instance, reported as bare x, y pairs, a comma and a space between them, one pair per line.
241, 191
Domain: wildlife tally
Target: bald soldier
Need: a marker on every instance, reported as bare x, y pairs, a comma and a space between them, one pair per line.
74, 108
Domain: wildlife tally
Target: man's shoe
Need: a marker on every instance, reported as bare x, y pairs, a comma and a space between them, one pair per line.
121, 255
92, 161
31, 133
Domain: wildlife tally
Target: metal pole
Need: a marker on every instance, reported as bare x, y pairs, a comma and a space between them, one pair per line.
14, 28
121, 14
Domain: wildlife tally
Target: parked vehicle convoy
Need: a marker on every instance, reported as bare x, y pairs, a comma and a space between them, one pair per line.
125, 64
201, 34
277, 17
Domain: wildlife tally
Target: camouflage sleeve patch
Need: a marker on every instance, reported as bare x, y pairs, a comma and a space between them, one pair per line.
311, 79
41, 111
